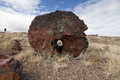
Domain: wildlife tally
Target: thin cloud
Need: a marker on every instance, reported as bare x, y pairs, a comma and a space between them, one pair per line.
102, 16
22, 5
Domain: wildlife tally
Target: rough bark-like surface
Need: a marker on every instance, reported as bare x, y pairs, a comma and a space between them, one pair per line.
10, 69
47, 29
17, 46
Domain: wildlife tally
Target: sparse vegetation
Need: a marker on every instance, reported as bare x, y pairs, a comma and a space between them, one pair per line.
109, 54
97, 52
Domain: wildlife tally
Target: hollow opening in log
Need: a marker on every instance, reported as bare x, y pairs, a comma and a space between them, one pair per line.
57, 45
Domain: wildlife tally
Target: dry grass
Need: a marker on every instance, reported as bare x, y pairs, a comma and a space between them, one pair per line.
5, 44
25, 55
97, 51
60, 63
114, 63
109, 54
35, 59
29, 56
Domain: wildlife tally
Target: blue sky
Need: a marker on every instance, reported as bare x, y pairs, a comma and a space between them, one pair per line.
101, 16
52, 5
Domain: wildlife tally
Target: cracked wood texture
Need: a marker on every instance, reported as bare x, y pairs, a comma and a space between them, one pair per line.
46, 29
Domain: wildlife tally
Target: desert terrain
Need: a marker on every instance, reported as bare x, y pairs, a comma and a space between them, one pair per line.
101, 61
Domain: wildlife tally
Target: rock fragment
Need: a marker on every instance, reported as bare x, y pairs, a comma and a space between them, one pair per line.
17, 46
10, 69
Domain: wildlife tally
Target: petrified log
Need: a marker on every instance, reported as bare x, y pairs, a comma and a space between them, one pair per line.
58, 32
17, 46
10, 69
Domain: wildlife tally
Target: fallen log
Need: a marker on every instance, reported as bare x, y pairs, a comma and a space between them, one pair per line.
58, 32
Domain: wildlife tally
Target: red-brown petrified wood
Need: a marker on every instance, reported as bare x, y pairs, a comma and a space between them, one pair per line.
10, 69
17, 46
58, 32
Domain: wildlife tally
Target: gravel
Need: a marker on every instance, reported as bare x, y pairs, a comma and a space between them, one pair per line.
75, 70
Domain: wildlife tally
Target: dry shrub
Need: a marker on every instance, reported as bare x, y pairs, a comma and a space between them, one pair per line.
94, 52
57, 62
35, 59
60, 63
58, 66
114, 63
25, 55
5, 44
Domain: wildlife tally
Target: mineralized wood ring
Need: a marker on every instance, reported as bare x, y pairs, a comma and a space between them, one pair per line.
59, 43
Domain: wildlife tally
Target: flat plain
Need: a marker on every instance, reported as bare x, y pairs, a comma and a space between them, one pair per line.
101, 61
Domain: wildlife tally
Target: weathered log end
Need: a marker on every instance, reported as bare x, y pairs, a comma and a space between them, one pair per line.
59, 31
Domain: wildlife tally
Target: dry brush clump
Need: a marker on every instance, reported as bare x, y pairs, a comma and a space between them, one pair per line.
60, 62
25, 55
114, 62
5, 42
29, 56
